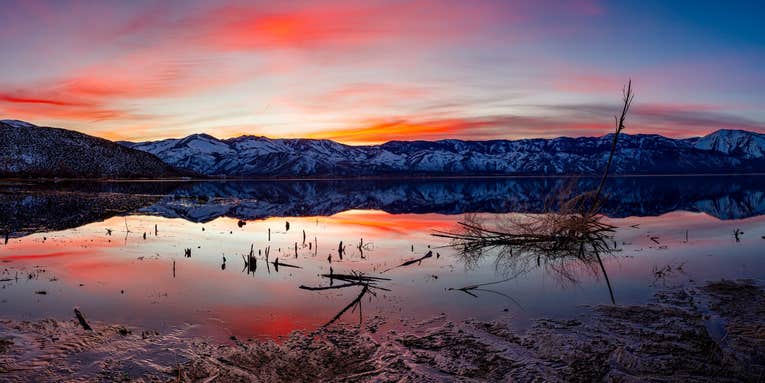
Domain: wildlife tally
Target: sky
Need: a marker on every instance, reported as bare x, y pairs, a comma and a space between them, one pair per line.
363, 72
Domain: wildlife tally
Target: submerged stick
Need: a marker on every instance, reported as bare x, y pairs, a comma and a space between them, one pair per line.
413, 261
276, 264
310, 288
353, 277
352, 304
81, 319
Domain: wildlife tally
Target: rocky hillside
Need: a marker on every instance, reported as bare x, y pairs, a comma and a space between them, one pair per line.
30, 151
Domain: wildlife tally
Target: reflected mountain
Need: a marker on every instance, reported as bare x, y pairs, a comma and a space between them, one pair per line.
32, 207
724, 197
27, 208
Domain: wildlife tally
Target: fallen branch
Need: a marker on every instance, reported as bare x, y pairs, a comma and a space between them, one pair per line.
413, 261
353, 303
81, 319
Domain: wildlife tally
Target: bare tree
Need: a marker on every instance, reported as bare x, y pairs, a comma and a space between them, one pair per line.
575, 231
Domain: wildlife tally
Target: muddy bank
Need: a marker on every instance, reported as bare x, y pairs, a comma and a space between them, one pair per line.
710, 333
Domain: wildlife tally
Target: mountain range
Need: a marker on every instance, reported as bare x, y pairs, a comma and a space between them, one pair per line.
76, 154
723, 151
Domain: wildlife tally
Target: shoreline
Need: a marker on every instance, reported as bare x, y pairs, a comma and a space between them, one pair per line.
364, 178
713, 332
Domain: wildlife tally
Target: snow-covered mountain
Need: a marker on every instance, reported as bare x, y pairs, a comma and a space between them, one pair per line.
251, 156
27, 150
734, 142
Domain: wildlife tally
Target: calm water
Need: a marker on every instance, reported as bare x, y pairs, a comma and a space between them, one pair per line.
83, 244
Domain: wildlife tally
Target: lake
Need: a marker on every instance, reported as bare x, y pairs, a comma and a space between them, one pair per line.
168, 254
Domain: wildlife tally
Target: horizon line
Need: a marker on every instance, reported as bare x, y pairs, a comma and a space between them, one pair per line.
377, 143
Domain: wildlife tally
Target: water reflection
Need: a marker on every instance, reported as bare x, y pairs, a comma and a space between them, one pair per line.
237, 278
724, 197
32, 207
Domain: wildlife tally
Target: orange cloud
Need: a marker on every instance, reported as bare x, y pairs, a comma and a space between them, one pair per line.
484, 128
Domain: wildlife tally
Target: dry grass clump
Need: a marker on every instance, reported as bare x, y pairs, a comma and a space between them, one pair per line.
574, 231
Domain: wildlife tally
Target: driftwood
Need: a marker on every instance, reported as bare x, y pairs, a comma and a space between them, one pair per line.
310, 288
355, 279
81, 319
413, 261
354, 303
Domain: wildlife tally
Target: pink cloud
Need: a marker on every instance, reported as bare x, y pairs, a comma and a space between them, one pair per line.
340, 25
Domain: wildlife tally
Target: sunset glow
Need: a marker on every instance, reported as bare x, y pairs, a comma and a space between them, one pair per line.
370, 72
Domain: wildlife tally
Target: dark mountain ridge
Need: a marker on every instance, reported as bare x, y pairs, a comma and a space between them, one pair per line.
30, 151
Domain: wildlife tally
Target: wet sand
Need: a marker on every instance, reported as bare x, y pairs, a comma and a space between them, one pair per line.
713, 332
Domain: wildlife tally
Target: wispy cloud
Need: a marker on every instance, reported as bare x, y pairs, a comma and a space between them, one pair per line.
369, 71
668, 119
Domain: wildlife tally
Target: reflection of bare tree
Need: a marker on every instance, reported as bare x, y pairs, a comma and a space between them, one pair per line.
355, 279
563, 243
561, 240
